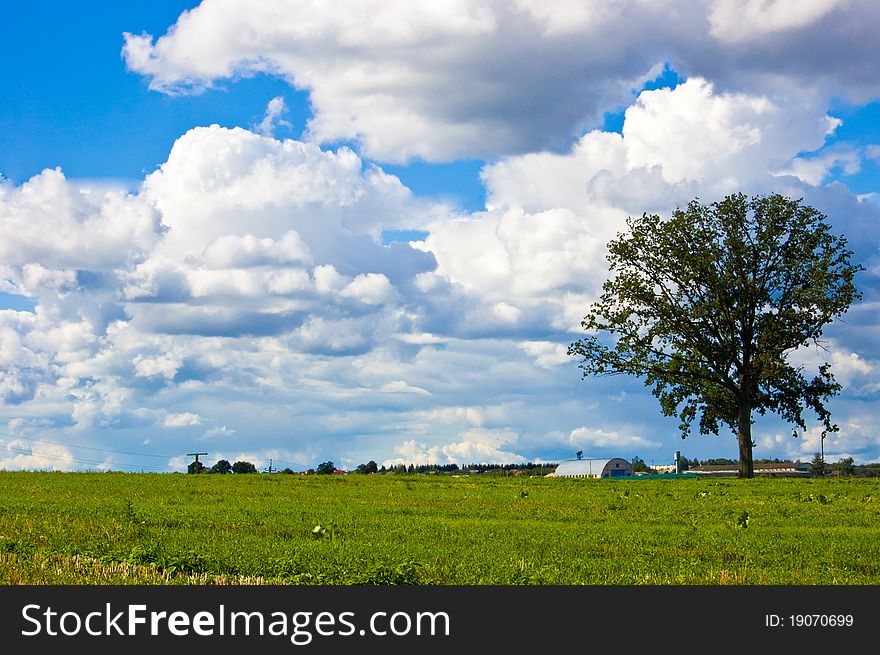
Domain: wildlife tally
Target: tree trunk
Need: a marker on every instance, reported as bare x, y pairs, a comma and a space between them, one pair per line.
744, 436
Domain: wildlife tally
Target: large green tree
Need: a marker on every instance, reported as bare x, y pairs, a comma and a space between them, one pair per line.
708, 305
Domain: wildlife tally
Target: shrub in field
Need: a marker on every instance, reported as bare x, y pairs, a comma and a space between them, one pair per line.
330, 532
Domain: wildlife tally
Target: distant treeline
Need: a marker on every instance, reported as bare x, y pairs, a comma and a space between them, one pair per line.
529, 468
721, 461
845, 466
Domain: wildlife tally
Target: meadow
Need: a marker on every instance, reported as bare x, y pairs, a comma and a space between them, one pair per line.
121, 528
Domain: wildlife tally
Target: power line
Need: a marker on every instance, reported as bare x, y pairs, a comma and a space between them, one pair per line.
73, 460
77, 460
108, 450
103, 450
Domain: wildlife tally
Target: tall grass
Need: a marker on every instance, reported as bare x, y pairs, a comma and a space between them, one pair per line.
117, 528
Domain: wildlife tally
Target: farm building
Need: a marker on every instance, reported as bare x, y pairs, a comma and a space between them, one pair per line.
770, 470
593, 468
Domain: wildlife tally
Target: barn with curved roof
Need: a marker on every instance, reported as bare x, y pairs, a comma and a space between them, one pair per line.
593, 468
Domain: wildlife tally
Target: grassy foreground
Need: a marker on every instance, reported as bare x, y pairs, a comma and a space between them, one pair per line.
120, 528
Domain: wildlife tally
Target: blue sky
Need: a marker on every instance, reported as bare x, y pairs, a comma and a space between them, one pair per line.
371, 232
69, 101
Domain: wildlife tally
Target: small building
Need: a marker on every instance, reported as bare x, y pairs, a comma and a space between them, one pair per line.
593, 468
669, 469
763, 469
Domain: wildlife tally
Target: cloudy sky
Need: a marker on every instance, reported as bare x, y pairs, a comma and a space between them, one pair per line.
369, 230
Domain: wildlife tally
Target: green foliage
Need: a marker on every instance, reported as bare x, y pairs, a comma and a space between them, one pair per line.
325, 468
639, 466
243, 467
330, 532
844, 466
369, 467
170, 562
706, 306
222, 466
77, 528
407, 572
195, 467
818, 467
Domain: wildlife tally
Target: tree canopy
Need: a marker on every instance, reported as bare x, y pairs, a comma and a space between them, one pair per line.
222, 466
195, 467
708, 305
243, 467
369, 467
818, 467
639, 466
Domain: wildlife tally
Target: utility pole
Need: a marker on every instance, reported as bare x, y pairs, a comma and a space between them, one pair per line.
196, 455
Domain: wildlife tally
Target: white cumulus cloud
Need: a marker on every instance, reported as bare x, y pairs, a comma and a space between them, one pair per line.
479, 85
598, 438
181, 420
474, 446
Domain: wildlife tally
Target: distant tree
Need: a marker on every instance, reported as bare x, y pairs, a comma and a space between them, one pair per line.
222, 466
818, 467
579, 454
195, 467
369, 467
287, 471
243, 467
325, 468
845, 466
639, 466
707, 306
867, 470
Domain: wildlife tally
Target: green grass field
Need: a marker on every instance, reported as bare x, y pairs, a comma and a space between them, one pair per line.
118, 528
